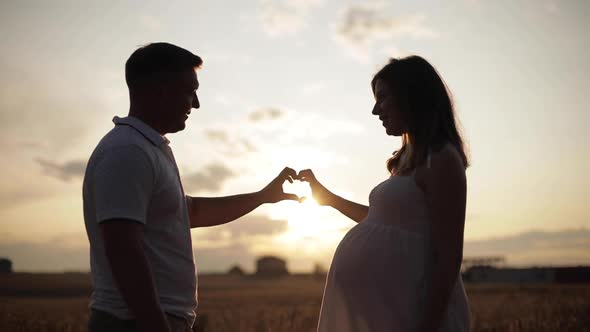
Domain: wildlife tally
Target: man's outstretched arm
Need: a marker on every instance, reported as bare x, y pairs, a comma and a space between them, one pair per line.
211, 211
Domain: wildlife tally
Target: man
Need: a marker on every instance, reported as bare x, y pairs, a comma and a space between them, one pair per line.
137, 216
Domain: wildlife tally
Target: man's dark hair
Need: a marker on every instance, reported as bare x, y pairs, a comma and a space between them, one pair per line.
157, 58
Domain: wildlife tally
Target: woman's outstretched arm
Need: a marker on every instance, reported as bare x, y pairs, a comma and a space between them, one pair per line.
323, 196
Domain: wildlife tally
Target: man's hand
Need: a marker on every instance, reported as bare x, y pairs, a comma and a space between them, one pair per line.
212, 211
273, 192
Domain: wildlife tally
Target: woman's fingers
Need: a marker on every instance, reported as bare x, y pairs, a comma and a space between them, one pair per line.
289, 174
306, 175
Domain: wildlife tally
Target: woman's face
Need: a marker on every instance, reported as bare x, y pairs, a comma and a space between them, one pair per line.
390, 109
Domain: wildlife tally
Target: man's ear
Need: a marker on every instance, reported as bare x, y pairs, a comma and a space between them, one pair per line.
160, 94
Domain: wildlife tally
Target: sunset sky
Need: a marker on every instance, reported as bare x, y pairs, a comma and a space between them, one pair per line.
287, 83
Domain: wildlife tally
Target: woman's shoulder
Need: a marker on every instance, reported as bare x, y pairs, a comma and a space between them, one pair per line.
443, 161
444, 167
446, 155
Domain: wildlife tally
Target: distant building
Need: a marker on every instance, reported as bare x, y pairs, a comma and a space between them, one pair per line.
489, 274
319, 270
469, 262
577, 274
236, 270
270, 266
5, 265
508, 275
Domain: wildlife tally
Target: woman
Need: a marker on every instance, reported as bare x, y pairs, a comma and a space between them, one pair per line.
398, 268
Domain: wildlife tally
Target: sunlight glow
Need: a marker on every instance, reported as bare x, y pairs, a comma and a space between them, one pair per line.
308, 221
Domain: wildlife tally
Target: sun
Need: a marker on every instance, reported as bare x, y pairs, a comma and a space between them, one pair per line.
307, 221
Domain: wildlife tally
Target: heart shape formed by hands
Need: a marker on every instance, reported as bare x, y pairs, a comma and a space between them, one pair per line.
299, 188
295, 190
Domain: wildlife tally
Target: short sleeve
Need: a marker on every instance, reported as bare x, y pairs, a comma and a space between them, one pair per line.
123, 181
189, 204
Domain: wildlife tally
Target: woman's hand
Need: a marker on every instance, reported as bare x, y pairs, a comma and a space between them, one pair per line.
320, 194
273, 192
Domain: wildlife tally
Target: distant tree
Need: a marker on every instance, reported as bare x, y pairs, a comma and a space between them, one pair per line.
270, 266
493, 261
236, 270
5, 265
319, 270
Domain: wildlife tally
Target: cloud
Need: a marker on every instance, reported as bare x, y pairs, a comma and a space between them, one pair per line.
217, 135
12, 198
244, 229
267, 139
248, 145
253, 225
268, 113
66, 105
285, 17
361, 26
217, 248
46, 256
550, 7
66, 171
22, 145
570, 246
233, 145
61, 118
273, 137
211, 178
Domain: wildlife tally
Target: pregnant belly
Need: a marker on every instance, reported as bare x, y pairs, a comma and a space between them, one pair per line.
378, 273
373, 253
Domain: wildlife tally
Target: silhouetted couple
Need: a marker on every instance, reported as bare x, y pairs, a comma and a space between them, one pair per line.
396, 270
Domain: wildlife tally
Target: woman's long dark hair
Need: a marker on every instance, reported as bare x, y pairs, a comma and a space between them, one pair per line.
430, 116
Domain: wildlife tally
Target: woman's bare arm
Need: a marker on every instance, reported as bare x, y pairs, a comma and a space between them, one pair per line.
323, 196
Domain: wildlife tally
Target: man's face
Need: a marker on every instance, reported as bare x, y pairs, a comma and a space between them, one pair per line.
179, 98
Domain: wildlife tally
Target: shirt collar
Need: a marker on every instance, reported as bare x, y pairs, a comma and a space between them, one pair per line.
148, 132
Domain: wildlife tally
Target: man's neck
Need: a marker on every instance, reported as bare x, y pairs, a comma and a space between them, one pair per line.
146, 119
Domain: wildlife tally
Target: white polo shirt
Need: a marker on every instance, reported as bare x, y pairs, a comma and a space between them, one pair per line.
132, 175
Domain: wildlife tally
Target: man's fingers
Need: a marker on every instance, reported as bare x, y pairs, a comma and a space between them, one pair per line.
291, 175
289, 172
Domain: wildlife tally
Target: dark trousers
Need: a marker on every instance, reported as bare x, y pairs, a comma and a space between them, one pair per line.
101, 321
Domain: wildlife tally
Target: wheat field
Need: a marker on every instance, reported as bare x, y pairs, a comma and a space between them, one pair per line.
58, 302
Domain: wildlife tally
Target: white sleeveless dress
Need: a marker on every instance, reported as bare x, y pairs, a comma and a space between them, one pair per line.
377, 280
